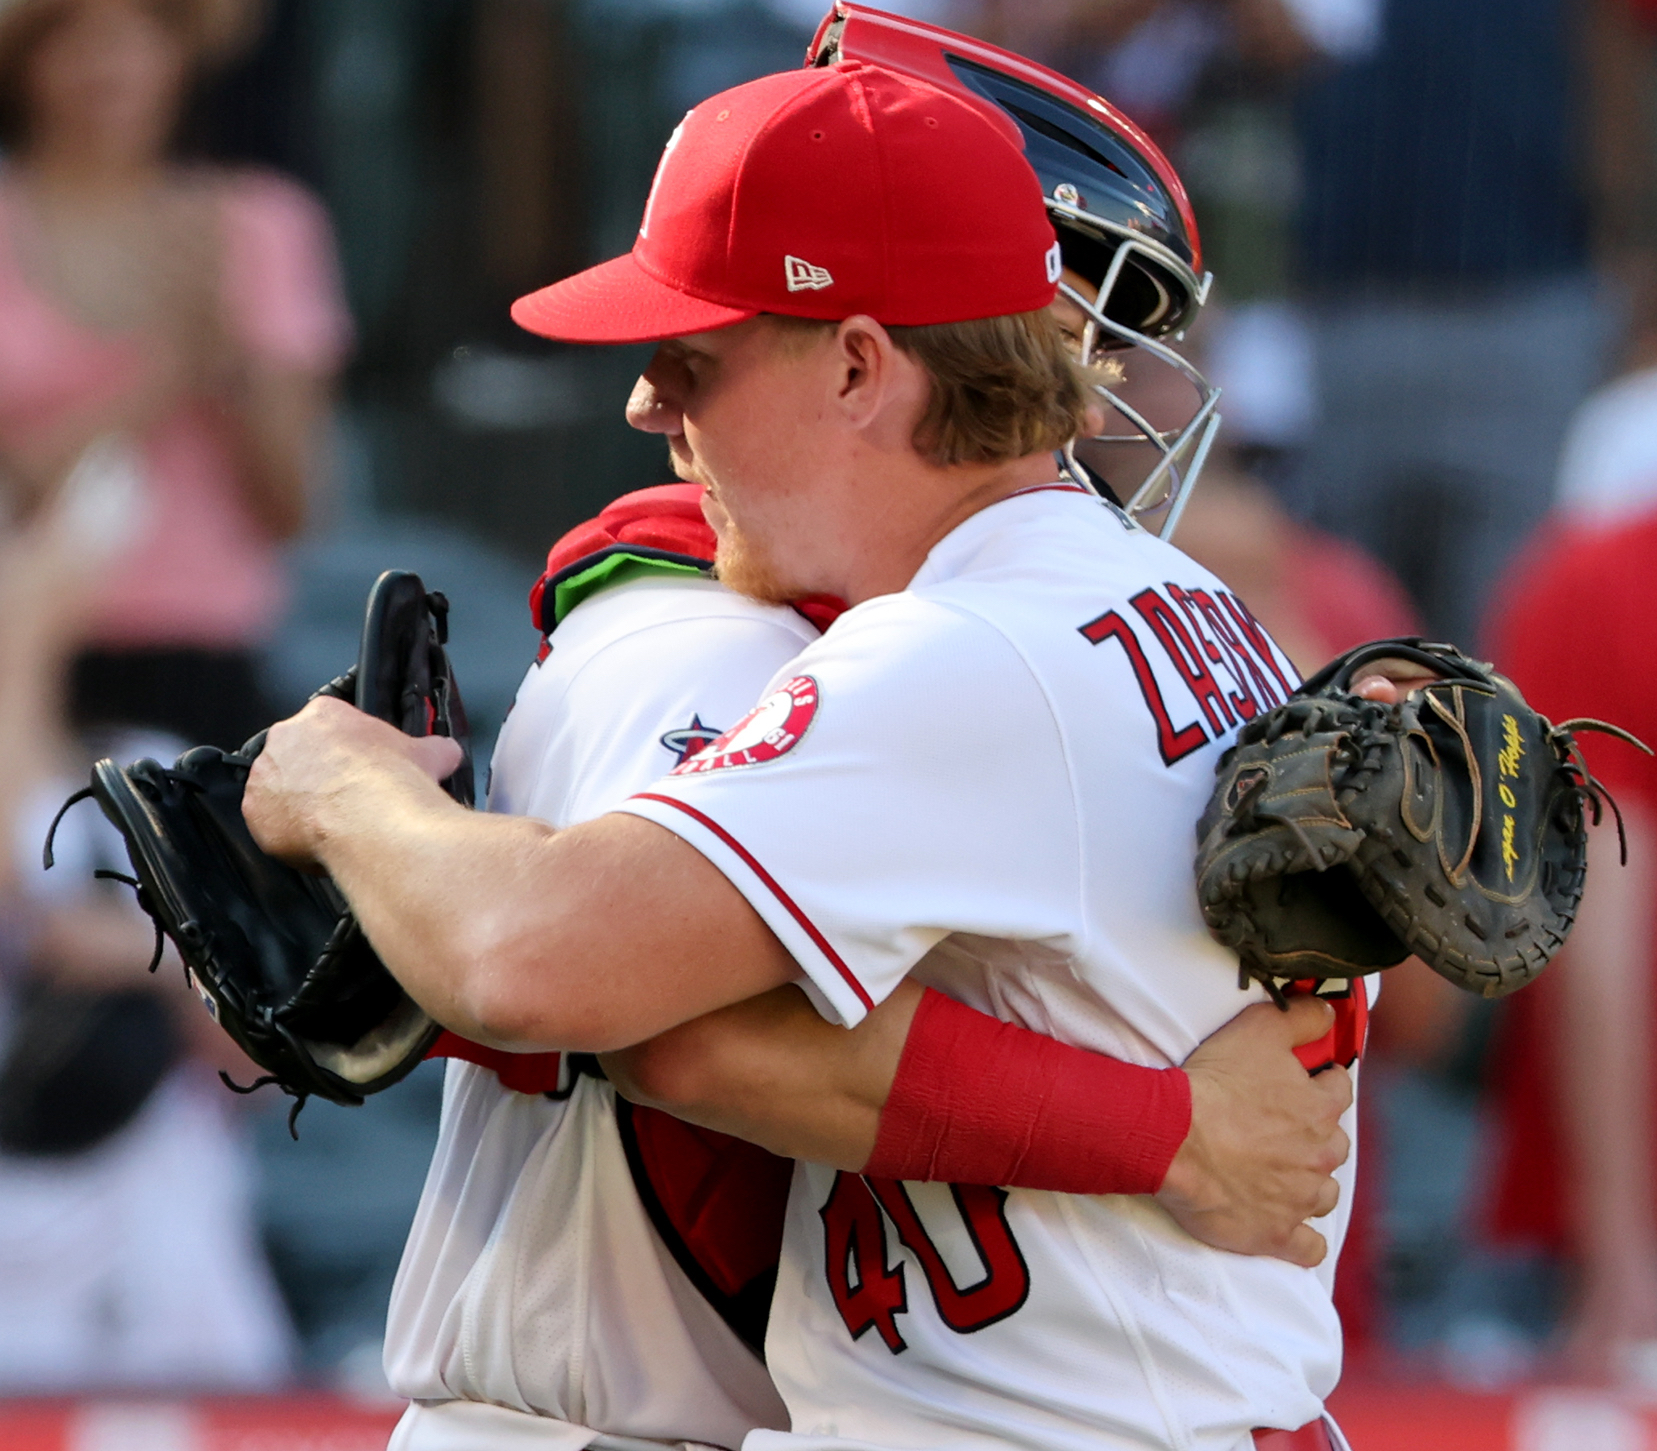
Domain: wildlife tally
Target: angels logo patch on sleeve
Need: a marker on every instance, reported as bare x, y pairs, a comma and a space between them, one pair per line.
688, 740
771, 729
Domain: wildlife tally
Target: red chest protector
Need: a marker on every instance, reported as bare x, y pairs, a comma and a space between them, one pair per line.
658, 530
650, 531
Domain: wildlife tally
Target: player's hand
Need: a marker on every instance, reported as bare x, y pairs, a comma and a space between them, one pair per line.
301, 786
1389, 681
1265, 1137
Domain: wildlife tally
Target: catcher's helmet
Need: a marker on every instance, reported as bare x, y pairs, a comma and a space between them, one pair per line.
1123, 220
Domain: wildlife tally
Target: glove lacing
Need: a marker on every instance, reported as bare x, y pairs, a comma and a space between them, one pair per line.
1585, 786
103, 874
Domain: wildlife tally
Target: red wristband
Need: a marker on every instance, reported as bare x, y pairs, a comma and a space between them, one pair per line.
979, 1101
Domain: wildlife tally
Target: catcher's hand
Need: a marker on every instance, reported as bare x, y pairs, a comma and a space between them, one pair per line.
275, 952
1445, 820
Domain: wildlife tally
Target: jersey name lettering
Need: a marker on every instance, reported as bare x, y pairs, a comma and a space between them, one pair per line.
1219, 651
870, 1293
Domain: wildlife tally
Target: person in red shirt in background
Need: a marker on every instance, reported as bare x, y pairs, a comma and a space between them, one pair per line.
1572, 1070
1571, 1076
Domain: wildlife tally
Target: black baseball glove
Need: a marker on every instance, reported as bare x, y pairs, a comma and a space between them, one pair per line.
1344, 835
275, 953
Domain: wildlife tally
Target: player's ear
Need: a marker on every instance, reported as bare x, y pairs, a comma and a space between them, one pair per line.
875, 380
860, 363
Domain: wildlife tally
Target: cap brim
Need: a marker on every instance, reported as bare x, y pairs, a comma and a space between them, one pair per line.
619, 302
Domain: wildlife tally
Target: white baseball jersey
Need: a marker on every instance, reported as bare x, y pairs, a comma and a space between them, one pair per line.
992, 779
533, 1280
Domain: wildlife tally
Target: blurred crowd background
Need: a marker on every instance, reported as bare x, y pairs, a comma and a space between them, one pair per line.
255, 263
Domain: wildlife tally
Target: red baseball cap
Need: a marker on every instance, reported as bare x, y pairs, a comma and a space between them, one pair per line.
821, 193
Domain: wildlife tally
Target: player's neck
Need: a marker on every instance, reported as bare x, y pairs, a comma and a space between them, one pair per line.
906, 519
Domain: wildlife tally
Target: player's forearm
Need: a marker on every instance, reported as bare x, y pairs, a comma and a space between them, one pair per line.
517, 936
1239, 1147
433, 892
504, 930
773, 1071
922, 1088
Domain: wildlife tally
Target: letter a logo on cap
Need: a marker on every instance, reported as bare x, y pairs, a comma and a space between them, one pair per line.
1055, 263
661, 166
803, 277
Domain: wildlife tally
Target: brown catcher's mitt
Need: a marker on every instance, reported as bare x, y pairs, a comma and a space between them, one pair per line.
1344, 834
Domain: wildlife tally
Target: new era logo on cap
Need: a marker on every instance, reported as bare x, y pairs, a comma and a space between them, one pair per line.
803, 277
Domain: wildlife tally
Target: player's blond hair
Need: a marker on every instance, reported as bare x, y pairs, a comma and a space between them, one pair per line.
1002, 387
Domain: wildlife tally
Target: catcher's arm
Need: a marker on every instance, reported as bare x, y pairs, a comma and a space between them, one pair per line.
773, 1071
1004, 1105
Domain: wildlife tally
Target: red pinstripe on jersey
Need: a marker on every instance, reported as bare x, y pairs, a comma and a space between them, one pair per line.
771, 886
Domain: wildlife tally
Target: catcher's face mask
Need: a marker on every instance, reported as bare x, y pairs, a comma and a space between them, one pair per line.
1121, 215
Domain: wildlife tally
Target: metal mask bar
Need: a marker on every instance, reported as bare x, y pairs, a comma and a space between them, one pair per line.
1168, 486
